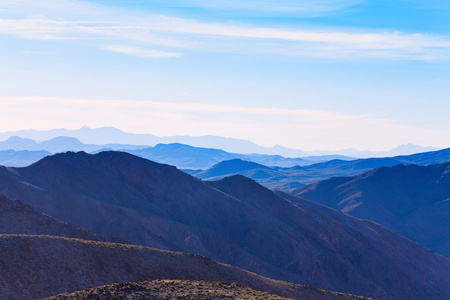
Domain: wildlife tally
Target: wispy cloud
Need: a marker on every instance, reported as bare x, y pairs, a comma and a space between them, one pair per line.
298, 128
144, 53
304, 7
140, 31
38, 52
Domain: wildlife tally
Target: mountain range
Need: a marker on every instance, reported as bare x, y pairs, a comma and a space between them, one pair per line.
233, 220
22, 158
411, 200
19, 152
288, 179
111, 135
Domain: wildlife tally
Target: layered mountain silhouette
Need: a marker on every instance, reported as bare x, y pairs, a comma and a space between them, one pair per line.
288, 179
235, 221
111, 135
411, 200
180, 155
188, 157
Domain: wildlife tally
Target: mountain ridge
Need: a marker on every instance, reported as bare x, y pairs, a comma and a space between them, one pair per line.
409, 199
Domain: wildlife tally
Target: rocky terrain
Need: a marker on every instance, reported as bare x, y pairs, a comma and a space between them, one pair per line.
168, 289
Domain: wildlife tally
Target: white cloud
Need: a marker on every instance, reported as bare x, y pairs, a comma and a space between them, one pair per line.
303, 129
142, 30
144, 53
303, 7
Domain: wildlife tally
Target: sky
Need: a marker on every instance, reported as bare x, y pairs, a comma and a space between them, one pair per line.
322, 74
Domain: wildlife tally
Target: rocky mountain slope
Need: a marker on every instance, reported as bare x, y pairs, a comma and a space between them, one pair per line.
235, 221
41, 266
411, 200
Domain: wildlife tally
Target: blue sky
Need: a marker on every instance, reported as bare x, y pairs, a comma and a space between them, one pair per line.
327, 74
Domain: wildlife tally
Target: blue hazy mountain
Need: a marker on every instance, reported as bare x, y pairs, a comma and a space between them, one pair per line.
11, 158
294, 177
111, 135
234, 220
179, 155
405, 149
411, 200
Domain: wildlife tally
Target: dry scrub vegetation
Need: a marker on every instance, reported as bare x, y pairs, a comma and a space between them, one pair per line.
168, 289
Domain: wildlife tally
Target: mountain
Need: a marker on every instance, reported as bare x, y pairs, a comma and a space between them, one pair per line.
18, 143
231, 167
17, 217
169, 289
405, 149
102, 135
183, 156
288, 179
411, 200
42, 266
20, 158
234, 221
59, 144
189, 157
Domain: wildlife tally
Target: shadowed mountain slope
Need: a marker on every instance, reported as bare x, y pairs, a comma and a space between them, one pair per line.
17, 217
42, 266
118, 194
411, 200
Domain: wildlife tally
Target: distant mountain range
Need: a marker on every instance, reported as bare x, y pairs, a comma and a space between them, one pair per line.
411, 200
12, 158
290, 178
19, 152
234, 220
406, 149
111, 135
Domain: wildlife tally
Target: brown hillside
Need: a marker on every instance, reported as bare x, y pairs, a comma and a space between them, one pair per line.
41, 266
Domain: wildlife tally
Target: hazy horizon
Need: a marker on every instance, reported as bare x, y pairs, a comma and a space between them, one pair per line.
108, 137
